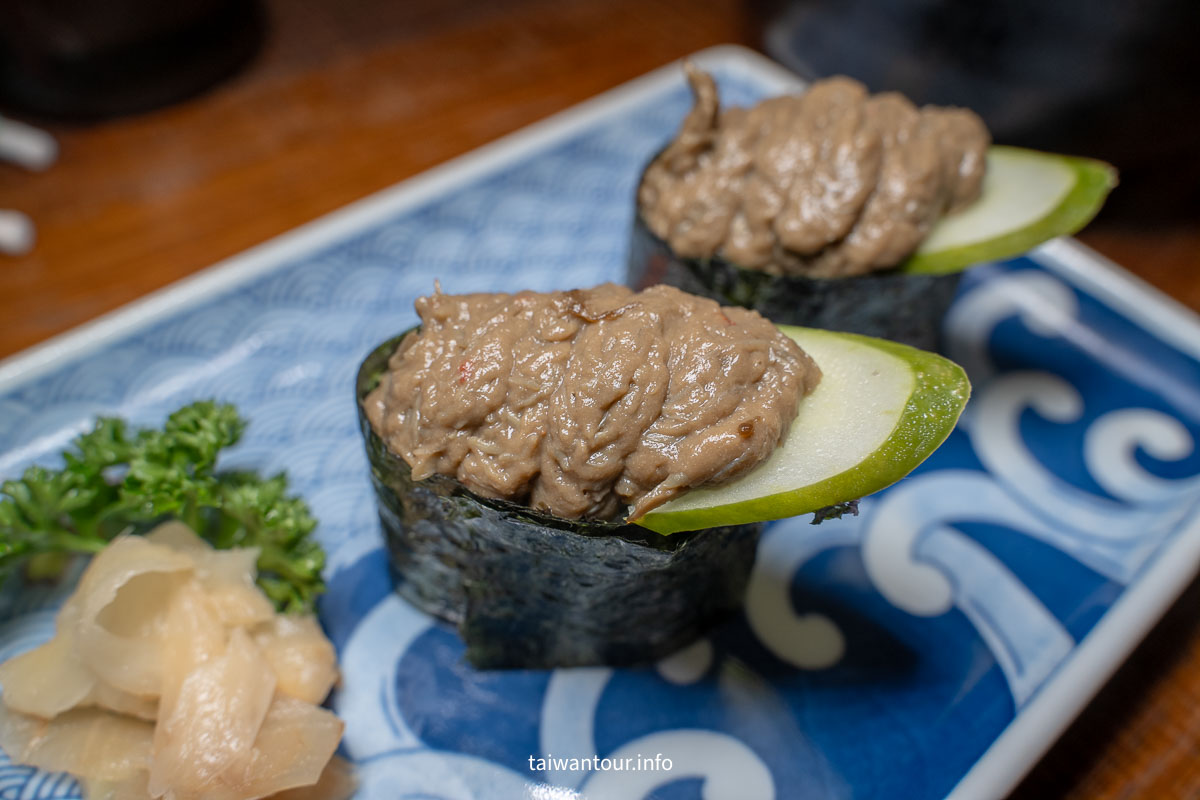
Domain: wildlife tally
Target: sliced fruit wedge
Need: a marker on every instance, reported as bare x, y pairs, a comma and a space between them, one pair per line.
880, 409
1028, 197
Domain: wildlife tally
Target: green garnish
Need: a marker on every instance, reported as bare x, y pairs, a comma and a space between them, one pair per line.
116, 480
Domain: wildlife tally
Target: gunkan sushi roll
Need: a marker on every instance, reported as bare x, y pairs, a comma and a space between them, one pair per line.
843, 210
527, 451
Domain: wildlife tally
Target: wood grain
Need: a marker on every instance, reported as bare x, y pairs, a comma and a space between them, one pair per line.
348, 98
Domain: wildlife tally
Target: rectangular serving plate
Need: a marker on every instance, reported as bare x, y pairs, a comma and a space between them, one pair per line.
567, 185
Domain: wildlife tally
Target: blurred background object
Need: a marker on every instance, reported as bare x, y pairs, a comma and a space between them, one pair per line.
26, 145
1113, 80
32, 149
82, 59
16, 233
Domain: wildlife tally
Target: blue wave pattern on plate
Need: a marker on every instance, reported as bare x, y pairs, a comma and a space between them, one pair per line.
879, 656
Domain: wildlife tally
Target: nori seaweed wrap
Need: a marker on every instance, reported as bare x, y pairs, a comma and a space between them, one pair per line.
904, 307
530, 590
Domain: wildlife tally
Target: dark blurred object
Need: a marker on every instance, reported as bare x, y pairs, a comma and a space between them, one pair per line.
1111, 80
83, 60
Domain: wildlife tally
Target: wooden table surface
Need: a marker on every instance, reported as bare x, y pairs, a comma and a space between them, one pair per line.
348, 98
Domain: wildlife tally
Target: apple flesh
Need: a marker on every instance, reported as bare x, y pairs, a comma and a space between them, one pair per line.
1028, 197
880, 409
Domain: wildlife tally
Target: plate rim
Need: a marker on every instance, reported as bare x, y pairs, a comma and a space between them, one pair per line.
1042, 721
1093, 660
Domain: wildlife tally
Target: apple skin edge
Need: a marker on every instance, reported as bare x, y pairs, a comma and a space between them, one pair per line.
940, 392
1093, 181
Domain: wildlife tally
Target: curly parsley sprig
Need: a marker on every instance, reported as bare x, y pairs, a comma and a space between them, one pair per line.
115, 480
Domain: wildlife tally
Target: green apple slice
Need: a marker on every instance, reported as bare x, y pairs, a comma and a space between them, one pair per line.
1028, 197
880, 409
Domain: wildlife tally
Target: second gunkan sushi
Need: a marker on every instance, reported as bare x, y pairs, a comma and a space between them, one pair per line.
839, 209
